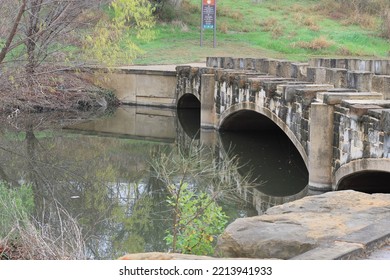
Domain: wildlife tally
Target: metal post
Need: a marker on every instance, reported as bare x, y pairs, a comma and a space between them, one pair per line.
215, 25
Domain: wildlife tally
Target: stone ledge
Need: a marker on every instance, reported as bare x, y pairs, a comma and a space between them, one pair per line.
332, 98
334, 225
336, 251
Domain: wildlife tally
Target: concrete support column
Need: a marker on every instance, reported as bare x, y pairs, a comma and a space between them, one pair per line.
209, 137
208, 107
321, 147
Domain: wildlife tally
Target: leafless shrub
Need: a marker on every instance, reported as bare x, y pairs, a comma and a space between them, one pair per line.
31, 240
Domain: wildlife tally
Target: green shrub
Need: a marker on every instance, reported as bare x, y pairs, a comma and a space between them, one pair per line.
197, 221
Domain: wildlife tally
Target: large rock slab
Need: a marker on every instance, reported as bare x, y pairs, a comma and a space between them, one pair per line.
324, 221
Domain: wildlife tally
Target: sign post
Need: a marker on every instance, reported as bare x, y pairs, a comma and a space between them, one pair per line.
209, 19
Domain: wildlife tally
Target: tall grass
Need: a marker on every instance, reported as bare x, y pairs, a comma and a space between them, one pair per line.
23, 237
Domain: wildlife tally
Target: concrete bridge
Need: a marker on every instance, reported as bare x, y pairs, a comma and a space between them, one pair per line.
336, 112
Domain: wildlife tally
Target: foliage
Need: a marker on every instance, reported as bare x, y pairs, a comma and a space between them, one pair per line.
112, 41
197, 221
196, 183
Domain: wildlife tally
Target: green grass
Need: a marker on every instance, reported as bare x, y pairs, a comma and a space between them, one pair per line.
278, 29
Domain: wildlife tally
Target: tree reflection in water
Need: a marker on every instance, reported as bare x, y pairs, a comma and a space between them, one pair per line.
112, 186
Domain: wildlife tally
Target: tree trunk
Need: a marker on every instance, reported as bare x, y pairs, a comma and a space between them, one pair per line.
31, 31
12, 33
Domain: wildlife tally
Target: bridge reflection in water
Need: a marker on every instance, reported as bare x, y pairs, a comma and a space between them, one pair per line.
276, 171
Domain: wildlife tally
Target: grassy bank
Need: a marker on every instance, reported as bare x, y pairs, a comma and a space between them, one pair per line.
288, 29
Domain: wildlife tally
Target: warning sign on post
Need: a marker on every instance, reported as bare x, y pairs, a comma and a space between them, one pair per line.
209, 19
208, 14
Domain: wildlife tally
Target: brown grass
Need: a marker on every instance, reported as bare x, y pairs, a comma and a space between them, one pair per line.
272, 25
311, 23
223, 27
268, 24
229, 13
319, 43
360, 12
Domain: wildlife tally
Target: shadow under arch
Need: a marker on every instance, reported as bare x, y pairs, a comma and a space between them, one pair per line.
268, 119
188, 114
364, 175
264, 151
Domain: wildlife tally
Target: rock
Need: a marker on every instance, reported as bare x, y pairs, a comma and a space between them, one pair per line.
294, 228
163, 256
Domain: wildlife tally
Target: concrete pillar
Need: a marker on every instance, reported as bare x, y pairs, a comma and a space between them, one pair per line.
316, 75
360, 80
207, 109
321, 147
299, 71
336, 77
209, 137
381, 84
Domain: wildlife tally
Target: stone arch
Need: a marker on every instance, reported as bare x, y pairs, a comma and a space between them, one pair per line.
188, 114
367, 175
188, 101
252, 107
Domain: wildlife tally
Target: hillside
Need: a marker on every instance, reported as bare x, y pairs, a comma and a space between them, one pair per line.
288, 29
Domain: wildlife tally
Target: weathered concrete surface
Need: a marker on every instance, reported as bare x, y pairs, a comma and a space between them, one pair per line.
334, 225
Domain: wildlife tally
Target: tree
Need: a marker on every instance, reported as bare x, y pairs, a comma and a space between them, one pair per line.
130, 19
12, 32
35, 31
40, 23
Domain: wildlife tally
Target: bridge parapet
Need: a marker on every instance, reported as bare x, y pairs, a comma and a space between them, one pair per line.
360, 74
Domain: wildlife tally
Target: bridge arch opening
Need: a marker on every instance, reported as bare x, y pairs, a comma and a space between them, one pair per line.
269, 156
188, 114
247, 120
188, 101
366, 181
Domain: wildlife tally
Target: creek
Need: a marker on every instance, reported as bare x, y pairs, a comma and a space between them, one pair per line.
100, 171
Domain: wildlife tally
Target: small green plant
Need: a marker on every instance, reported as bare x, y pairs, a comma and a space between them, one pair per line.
197, 220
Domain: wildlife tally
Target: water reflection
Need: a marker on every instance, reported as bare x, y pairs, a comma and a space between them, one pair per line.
271, 159
100, 172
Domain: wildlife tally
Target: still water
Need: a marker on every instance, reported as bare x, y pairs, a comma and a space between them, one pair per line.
102, 171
